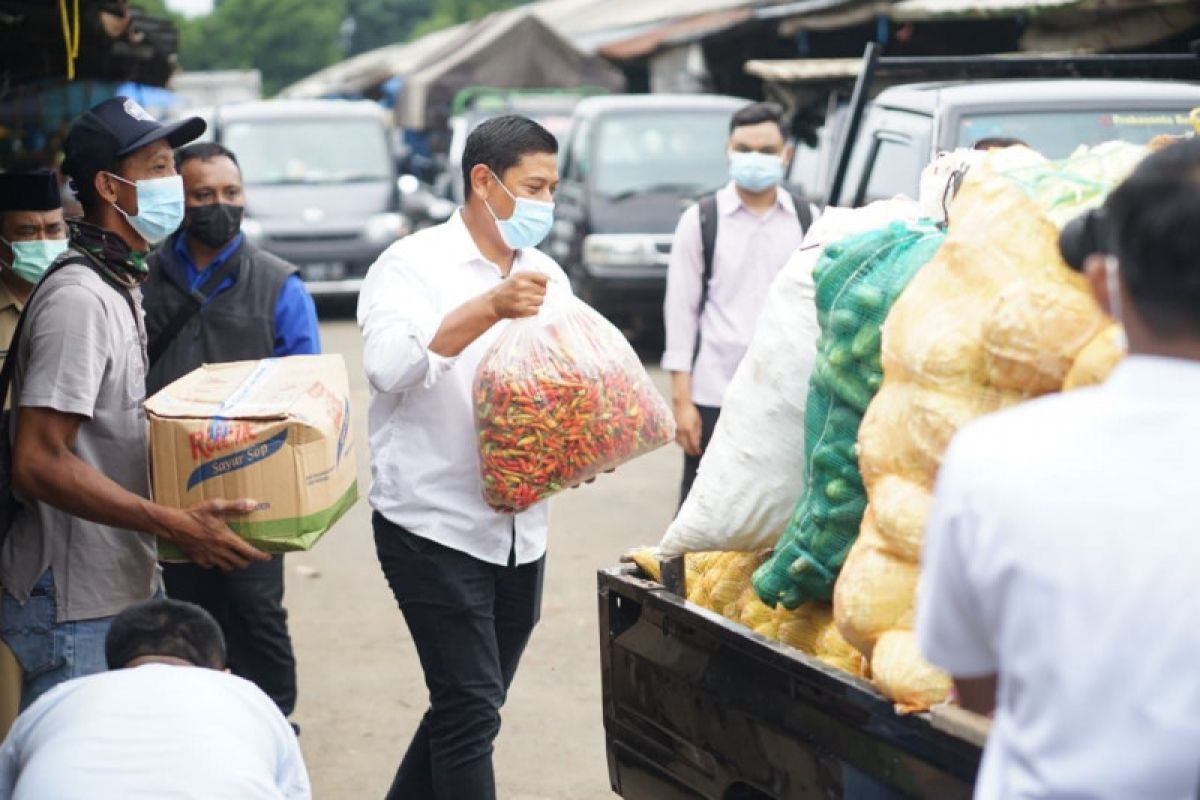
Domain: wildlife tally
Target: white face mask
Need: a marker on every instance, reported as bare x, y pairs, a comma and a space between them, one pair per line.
1112, 272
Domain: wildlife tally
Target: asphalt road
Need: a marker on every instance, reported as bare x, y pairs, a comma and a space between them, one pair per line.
361, 689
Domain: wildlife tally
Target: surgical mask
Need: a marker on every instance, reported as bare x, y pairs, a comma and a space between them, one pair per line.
755, 172
160, 207
214, 224
1112, 271
529, 224
32, 259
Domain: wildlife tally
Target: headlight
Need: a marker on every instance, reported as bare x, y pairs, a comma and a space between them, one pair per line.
252, 229
620, 250
385, 227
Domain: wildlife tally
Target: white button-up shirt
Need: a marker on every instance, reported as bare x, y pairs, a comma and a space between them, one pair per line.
424, 455
1062, 554
748, 254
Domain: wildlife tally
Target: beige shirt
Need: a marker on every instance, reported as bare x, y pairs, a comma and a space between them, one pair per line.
10, 312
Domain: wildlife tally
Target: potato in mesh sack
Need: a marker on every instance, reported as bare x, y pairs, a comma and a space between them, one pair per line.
994, 319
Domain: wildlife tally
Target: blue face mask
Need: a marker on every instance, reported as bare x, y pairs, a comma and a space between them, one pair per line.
529, 224
160, 207
755, 172
32, 259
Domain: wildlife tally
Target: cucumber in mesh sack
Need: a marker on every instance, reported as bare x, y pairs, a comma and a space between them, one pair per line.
857, 280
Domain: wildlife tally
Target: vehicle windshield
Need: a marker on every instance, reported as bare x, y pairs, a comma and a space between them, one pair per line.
681, 152
1056, 134
283, 151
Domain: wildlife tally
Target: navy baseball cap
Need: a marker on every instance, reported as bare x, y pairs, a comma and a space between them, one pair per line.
115, 128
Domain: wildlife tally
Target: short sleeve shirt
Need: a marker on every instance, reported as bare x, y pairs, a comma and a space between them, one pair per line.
83, 352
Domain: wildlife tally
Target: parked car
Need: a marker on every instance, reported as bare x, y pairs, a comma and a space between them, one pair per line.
321, 184
631, 164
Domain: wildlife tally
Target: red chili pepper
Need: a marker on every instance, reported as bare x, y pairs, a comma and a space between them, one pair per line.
565, 407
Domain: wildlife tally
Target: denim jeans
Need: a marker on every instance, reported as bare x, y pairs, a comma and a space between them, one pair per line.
50, 652
470, 622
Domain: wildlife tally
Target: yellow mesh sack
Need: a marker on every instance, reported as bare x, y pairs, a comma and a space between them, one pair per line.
874, 593
906, 678
993, 319
1097, 359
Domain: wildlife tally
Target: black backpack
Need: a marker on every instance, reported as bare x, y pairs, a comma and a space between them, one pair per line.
9, 505
708, 239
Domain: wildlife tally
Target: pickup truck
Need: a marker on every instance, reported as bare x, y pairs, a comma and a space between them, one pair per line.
696, 706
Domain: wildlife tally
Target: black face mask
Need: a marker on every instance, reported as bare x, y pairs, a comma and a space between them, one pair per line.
214, 224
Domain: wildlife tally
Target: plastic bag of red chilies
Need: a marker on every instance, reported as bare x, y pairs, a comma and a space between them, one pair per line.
559, 398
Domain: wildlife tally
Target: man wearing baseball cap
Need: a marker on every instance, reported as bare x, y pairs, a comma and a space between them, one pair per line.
82, 546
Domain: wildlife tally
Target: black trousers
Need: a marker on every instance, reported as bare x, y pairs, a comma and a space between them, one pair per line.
708, 422
470, 621
248, 605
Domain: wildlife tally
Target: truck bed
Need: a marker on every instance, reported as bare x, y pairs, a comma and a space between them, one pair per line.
696, 706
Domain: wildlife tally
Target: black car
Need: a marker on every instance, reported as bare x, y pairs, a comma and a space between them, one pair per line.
630, 166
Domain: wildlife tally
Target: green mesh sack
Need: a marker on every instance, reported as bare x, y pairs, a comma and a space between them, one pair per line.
857, 281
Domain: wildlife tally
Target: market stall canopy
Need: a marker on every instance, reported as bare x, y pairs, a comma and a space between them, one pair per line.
515, 50
375, 67
617, 29
1080, 25
1085, 25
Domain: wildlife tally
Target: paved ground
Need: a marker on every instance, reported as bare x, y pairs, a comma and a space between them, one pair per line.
361, 691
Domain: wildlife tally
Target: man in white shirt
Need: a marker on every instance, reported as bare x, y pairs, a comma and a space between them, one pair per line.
167, 721
715, 296
1058, 581
467, 579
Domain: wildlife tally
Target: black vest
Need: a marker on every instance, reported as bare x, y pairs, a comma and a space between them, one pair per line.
237, 324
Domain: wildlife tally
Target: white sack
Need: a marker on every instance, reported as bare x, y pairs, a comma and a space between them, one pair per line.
752, 474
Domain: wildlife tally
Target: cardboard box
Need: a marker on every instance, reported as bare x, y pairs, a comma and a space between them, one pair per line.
276, 430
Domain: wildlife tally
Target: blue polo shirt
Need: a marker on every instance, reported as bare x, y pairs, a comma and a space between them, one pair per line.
296, 329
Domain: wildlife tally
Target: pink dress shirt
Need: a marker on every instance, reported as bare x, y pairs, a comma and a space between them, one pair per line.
749, 251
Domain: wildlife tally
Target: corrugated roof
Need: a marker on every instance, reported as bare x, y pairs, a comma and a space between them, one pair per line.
672, 33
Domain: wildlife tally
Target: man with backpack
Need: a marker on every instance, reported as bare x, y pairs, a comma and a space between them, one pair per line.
80, 547
727, 251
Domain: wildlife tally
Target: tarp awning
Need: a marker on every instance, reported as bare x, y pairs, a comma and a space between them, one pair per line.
508, 50
367, 70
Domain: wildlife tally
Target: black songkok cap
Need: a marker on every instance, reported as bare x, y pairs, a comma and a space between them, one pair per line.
29, 191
